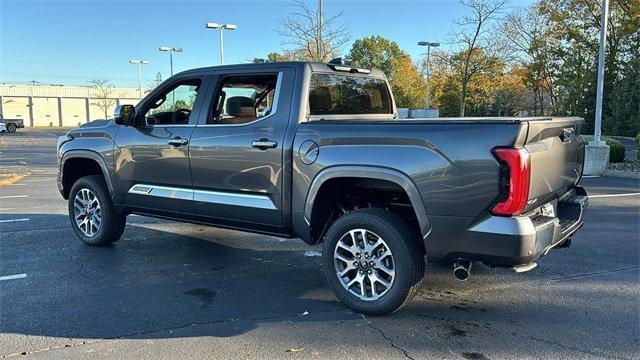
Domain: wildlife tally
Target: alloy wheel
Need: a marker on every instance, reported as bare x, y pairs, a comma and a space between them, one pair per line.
364, 264
87, 212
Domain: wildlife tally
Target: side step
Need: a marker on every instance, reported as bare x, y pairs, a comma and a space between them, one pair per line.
525, 267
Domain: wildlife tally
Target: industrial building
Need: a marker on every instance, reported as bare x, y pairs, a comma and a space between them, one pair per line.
56, 106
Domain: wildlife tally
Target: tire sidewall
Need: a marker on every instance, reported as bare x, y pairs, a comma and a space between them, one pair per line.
11, 128
403, 257
99, 189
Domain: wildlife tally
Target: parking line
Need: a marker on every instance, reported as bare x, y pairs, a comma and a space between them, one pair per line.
13, 277
613, 195
13, 196
14, 220
590, 176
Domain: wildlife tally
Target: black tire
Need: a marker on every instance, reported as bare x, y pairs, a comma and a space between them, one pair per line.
404, 244
11, 128
112, 224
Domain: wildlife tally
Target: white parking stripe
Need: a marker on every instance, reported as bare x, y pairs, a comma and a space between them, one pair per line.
13, 196
14, 220
591, 176
13, 277
613, 195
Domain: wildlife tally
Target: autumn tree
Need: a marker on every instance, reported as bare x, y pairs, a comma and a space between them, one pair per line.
574, 38
103, 94
475, 34
407, 83
528, 32
313, 36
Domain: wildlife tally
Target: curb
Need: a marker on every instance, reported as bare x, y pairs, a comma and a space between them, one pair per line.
622, 174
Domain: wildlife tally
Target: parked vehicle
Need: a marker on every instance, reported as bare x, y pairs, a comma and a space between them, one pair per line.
11, 125
316, 151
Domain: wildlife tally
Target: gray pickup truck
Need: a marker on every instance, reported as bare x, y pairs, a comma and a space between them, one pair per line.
316, 151
11, 125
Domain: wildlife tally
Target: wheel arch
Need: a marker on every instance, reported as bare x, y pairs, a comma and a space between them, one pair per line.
367, 172
68, 174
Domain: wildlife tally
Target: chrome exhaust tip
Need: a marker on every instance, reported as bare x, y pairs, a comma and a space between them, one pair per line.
462, 269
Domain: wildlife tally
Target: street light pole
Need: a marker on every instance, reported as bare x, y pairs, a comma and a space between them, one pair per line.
170, 50
428, 45
139, 63
221, 27
600, 86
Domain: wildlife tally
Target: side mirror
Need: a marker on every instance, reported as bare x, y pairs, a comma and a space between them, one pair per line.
124, 114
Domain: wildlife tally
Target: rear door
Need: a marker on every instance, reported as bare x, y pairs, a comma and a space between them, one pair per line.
556, 151
236, 152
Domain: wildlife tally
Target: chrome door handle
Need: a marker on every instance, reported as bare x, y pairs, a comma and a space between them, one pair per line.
177, 141
264, 144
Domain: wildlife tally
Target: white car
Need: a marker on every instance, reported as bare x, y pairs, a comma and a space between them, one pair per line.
3, 127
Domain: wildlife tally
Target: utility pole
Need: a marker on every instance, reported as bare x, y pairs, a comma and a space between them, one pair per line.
597, 151
428, 45
600, 86
221, 27
139, 63
170, 50
320, 42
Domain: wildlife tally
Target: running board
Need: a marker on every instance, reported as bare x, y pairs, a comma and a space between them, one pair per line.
525, 267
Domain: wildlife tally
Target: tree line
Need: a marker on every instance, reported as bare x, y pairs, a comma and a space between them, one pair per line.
500, 61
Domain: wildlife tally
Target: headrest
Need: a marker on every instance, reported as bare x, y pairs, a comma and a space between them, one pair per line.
320, 99
240, 106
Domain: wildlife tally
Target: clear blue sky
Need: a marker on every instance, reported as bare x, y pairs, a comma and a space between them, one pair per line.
72, 42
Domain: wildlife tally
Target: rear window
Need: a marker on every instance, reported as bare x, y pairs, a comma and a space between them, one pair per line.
333, 94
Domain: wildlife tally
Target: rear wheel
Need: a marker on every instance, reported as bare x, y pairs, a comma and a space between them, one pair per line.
11, 128
92, 214
372, 261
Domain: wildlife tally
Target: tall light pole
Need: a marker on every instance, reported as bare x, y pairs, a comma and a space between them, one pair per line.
139, 63
320, 42
170, 50
604, 17
429, 45
221, 27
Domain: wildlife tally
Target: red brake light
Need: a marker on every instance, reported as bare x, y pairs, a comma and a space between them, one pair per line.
517, 168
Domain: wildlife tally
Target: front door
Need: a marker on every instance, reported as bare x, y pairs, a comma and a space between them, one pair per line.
237, 150
152, 157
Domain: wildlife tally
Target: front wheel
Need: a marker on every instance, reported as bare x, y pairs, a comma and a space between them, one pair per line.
372, 261
92, 214
11, 128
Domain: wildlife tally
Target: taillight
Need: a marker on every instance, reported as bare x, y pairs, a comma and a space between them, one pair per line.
514, 181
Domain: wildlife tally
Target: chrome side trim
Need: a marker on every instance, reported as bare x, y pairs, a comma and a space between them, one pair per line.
213, 197
246, 200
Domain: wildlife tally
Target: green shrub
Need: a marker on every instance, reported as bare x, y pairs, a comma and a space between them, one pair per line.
638, 139
616, 149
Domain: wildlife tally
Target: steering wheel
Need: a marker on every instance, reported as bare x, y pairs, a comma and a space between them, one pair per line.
180, 116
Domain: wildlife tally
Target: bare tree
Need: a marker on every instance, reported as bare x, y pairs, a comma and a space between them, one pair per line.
478, 46
103, 93
528, 32
314, 37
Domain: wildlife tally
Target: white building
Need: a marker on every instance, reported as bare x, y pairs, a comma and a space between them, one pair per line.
49, 105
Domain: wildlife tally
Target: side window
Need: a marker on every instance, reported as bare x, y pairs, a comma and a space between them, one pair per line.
333, 94
173, 106
242, 99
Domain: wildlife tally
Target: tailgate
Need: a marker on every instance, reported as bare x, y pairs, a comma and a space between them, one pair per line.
556, 150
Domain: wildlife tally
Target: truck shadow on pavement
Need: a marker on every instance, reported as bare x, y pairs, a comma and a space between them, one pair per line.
166, 280
152, 283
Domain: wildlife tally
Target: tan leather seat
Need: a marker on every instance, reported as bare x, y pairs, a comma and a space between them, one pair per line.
240, 110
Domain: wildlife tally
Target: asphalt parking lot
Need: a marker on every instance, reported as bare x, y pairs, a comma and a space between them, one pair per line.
173, 290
